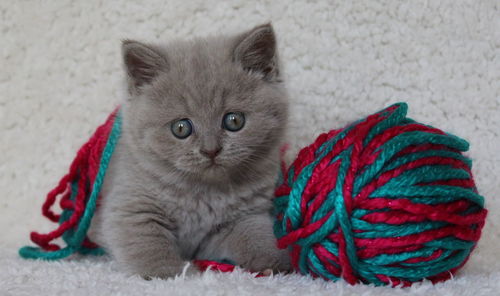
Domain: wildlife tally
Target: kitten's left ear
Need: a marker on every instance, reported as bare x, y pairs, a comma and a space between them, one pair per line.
256, 51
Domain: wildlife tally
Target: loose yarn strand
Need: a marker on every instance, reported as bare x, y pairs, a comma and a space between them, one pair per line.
80, 189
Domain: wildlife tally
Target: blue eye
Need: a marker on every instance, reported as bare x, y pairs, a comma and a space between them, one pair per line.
233, 121
182, 128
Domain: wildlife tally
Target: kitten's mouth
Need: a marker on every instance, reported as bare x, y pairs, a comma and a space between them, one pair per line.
212, 165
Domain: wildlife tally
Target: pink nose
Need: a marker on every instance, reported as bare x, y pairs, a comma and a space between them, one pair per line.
210, 153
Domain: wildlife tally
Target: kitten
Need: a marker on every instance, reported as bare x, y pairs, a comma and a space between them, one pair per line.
193, 174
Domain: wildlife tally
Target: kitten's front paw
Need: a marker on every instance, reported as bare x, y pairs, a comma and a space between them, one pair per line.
165, 272
271, 261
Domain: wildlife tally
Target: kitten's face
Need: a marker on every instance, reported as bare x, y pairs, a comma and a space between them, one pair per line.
207, 107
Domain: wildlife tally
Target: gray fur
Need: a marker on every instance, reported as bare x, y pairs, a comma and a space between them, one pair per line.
163, 204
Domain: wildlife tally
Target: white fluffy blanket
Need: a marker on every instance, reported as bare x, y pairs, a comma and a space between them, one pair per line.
61, 75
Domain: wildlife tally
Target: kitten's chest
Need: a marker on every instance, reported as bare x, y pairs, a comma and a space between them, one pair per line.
198, 217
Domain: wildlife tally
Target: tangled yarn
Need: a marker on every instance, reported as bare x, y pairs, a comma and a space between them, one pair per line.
78, 191
385, 200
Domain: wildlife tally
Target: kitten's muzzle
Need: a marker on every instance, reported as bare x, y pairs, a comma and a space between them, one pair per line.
211, 153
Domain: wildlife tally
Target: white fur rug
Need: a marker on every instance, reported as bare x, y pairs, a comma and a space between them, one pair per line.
61, 75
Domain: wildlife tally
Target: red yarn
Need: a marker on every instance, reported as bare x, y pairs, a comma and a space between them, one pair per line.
83, 169
204, 265
213, 265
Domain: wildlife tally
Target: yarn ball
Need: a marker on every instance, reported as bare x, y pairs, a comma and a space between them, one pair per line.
385, 200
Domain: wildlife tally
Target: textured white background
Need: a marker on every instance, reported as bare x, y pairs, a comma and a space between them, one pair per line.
60, 75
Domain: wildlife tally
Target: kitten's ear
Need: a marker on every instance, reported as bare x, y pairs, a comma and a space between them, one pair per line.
142, 63
256, 51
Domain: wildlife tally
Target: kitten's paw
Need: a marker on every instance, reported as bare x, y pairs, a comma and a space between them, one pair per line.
276, 261
188, 269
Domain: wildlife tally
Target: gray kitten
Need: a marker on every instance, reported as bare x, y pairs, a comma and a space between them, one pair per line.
193, 174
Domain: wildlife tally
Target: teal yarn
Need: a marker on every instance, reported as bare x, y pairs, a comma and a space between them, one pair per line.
80, 204
386, 200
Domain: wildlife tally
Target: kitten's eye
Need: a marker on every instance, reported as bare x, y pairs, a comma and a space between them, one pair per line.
233, 121
182, 128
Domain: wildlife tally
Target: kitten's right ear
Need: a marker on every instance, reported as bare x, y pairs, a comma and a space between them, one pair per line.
142, 62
